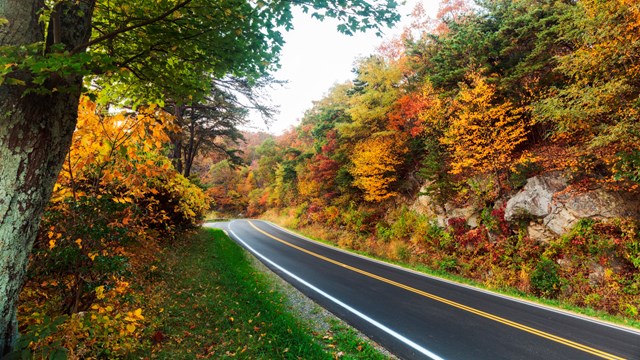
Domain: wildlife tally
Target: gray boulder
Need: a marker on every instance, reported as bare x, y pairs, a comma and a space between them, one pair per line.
536, 198
596, 204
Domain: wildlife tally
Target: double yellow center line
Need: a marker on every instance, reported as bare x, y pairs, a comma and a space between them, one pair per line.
499, 319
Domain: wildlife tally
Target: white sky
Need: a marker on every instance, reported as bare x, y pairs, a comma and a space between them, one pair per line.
315, 57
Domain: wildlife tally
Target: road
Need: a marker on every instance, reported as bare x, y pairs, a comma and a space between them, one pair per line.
416, 316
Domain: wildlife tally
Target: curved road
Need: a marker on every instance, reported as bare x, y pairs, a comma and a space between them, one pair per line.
420, 317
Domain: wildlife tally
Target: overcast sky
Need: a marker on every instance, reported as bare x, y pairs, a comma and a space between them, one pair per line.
315, 57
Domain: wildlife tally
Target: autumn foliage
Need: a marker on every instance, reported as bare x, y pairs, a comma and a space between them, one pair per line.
374, 166
117, 201
482, 135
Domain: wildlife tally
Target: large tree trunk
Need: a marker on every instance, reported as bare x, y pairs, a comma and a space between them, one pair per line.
35, 135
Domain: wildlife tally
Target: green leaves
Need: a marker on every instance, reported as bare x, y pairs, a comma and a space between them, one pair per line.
174, 47
27, 67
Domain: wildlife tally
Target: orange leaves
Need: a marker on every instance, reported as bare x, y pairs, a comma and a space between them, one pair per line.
415, 112
104, 148
482, 135
375, 160
451, 11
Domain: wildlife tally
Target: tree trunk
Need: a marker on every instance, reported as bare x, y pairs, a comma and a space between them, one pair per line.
189, 151
35, 135
176, 139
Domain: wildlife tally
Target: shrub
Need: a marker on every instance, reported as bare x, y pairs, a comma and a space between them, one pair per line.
398, 250
116, 197
81, 242
485, 190
449, 264
544, 279
458, 226
627, 166
384, 232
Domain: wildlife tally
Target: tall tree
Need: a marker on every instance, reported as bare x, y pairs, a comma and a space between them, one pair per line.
374, 166
206, 124
483, 134
376, 90
48, 47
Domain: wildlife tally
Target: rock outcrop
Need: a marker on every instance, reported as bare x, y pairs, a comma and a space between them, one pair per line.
425, 205
550, 208
554, 210
535, 200
598, 204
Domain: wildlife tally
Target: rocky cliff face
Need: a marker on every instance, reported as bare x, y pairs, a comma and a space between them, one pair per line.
549, 206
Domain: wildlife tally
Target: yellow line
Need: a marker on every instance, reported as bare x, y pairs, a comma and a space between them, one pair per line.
501, 320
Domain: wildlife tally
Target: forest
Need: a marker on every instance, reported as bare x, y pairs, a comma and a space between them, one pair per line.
461, 110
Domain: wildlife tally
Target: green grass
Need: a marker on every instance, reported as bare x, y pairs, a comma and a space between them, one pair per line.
212, 303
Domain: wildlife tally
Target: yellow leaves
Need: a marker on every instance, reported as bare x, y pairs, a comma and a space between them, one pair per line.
525, 158
123, 200
130, 328
134, 316
99, 293
53, 237
79, 243
375, 160
114, 144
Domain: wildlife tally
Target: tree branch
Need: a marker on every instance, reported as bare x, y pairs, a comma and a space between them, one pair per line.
131, 27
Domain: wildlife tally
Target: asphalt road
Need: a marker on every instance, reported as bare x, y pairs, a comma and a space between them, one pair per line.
419, 317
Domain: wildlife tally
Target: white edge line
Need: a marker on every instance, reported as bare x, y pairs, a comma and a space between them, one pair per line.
485, 291
340, 303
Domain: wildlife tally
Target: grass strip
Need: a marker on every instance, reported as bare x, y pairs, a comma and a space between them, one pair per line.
212, 303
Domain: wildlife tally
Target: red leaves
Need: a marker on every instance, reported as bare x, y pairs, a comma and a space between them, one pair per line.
157, 337
405, 116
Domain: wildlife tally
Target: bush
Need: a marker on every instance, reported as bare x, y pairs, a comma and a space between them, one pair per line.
627, 166
113, 203
544, 279
449, 264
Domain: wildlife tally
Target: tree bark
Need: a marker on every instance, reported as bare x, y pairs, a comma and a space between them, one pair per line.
35, 135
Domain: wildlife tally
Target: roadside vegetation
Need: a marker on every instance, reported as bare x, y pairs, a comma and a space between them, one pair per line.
117, 206
462, 109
